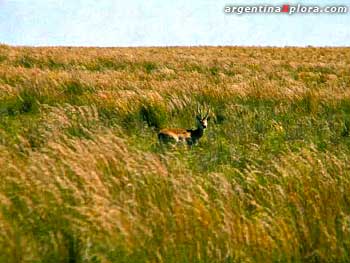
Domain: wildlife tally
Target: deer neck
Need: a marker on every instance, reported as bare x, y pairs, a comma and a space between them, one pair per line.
196, 134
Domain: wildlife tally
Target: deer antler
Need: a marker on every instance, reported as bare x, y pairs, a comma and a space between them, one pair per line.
208, 112
199, 110
207, 109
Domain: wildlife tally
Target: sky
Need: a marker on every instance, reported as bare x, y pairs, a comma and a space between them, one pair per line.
166, 23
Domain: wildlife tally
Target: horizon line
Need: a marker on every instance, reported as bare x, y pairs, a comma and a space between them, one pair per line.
171, 46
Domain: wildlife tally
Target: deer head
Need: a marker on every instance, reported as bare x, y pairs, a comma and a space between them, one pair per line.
202, 119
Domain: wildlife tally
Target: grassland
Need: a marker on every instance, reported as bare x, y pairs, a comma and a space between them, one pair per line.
83, 178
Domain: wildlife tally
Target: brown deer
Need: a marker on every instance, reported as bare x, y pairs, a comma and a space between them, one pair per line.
183, 135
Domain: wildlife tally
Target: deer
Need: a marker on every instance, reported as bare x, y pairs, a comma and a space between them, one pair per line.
188, 136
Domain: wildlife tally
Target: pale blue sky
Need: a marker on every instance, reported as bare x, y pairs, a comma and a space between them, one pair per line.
165, 23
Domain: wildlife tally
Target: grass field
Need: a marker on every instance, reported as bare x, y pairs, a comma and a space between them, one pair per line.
83, 178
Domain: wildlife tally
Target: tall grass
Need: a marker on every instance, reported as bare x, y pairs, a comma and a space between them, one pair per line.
83, 178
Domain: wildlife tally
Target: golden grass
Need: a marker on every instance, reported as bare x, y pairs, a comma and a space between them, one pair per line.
80, 186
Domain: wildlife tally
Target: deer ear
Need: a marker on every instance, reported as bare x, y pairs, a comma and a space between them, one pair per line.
208, 118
